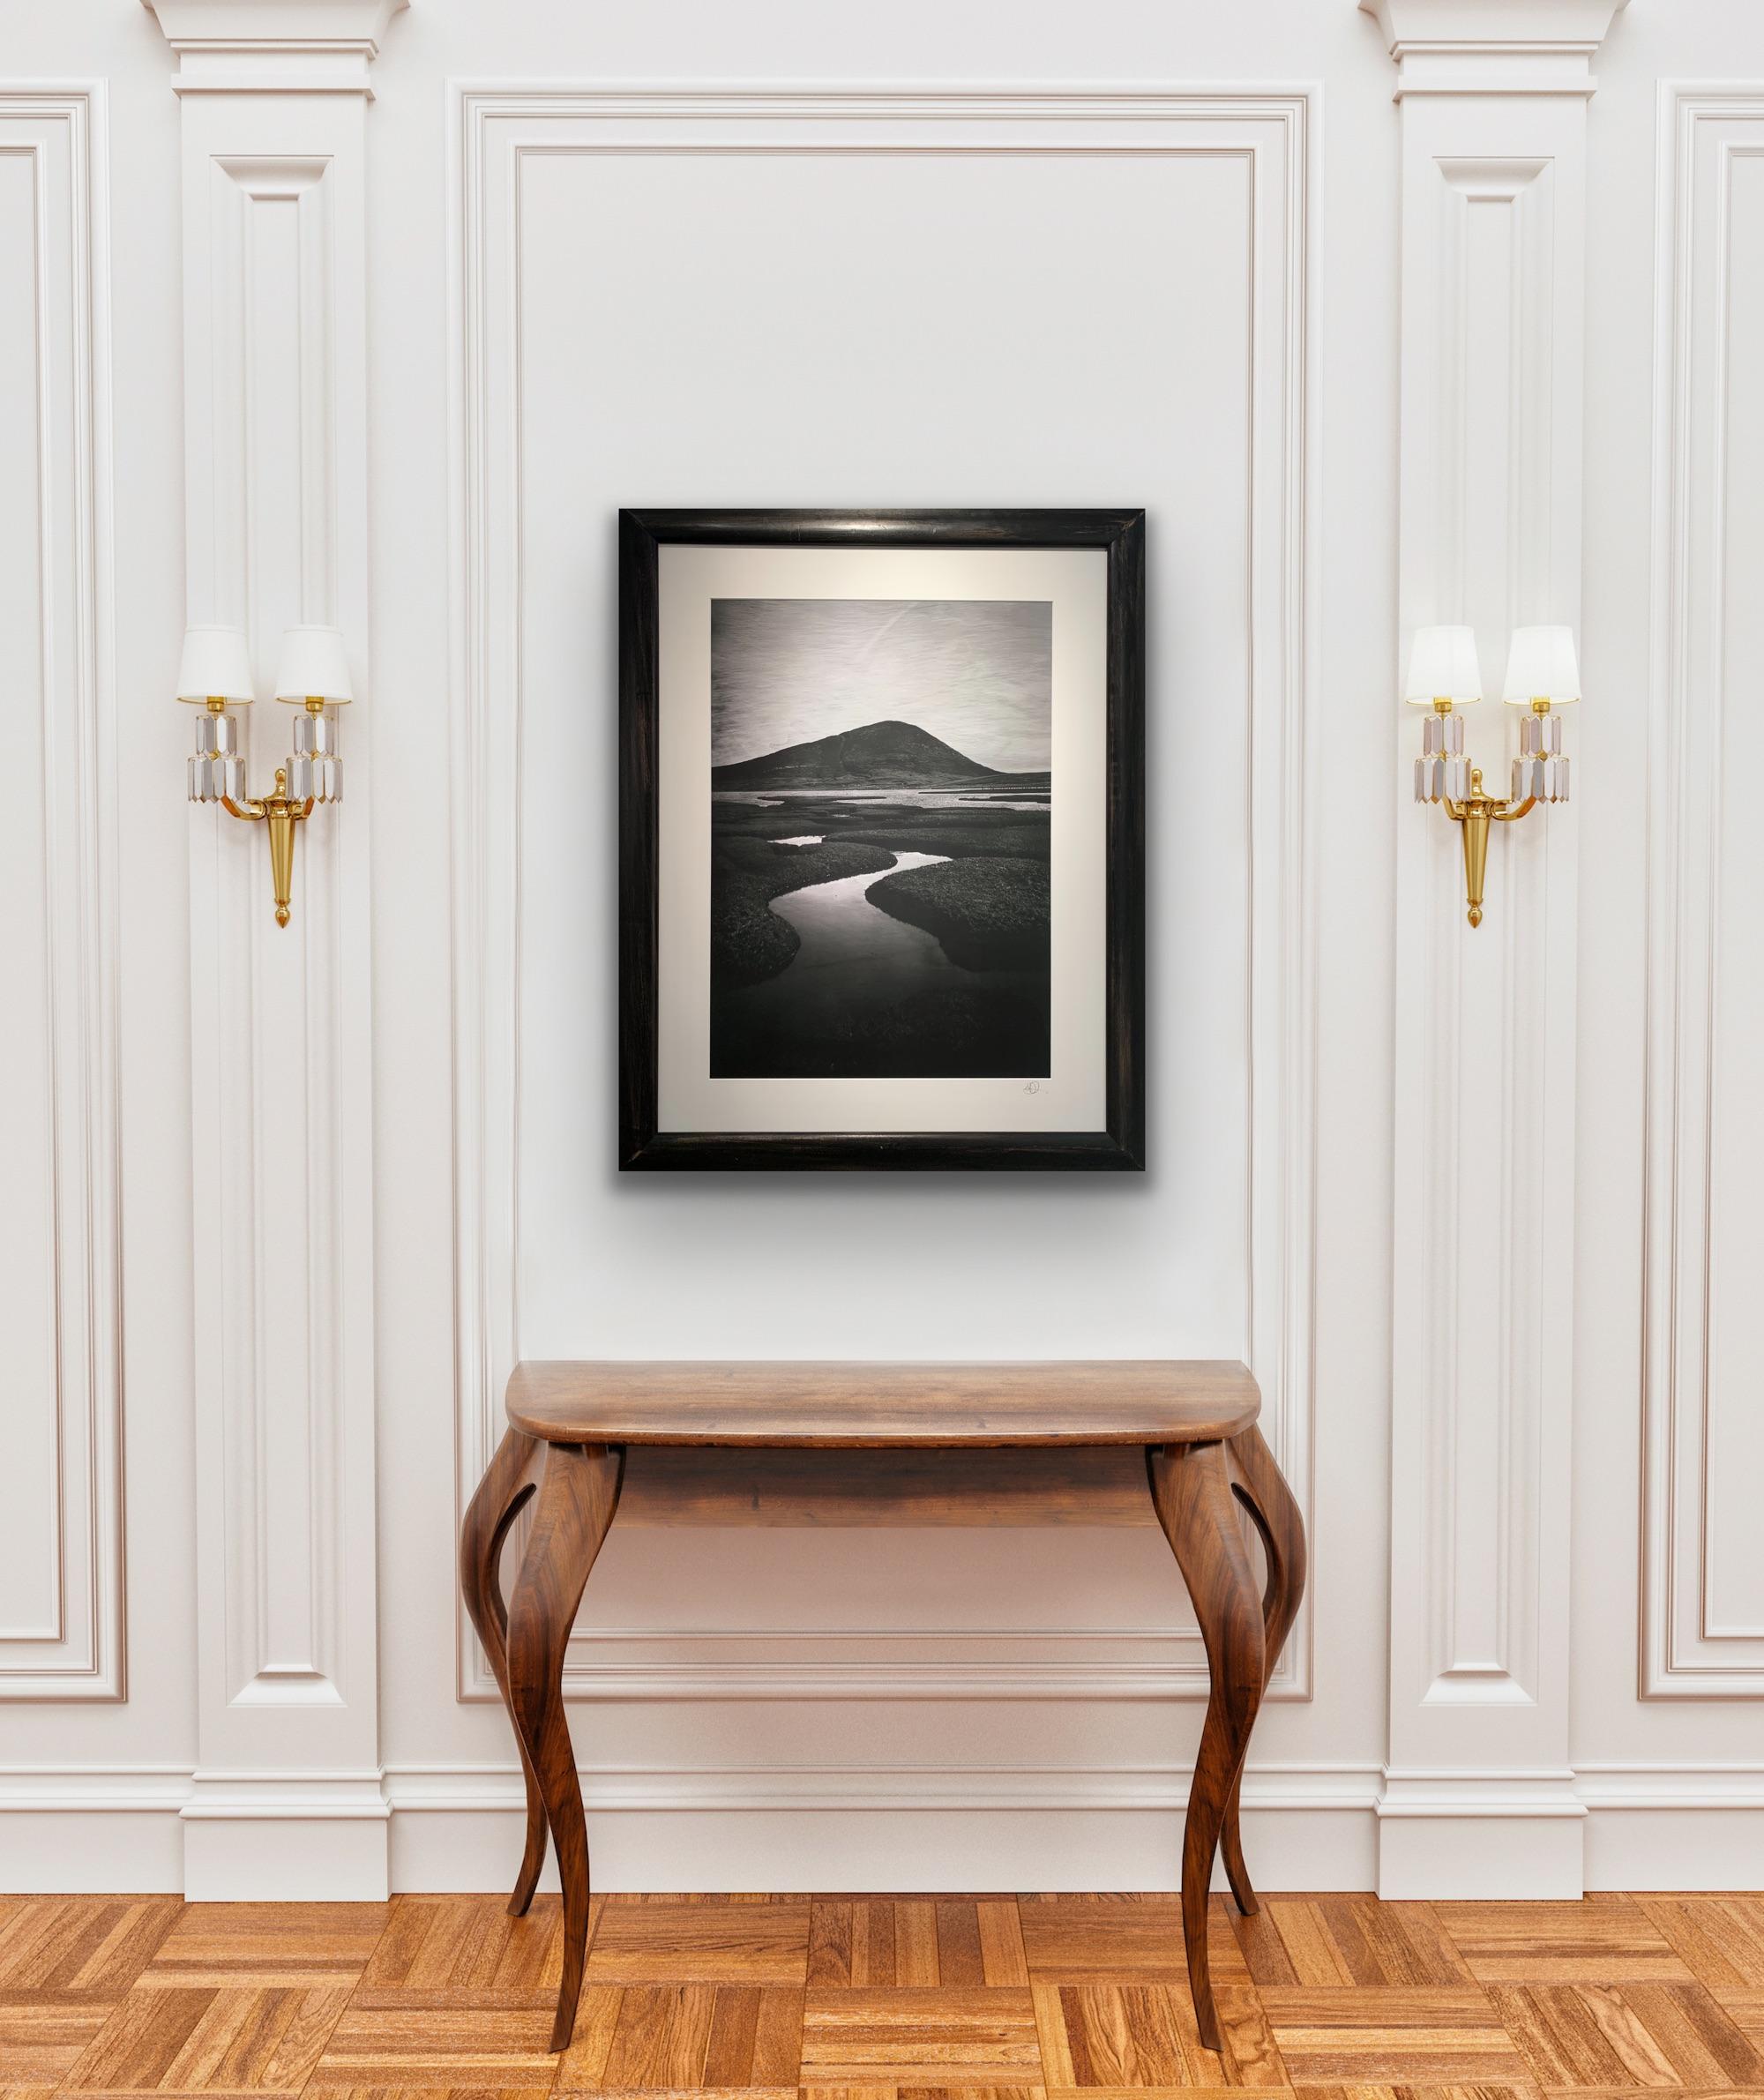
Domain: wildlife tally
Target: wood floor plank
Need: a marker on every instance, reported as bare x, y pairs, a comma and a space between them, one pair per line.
925, 2092
1251, 2056
1397, 2035
1056, 2054
1223, 1952
1096, 1898
1394, 1943
700, 2092
1148, 2092
1341, 1941
831, 1927
435, 2092
266, 1945
915, 2037
582, 2067
169, 2038
1121, 2035
960, 1961
915, 1942
1601, 1940
1076, 1937
465, 1951
677, 1942
1104, 2036
700, 2038
1720, 1939
1308, 1953
777, 2039
432, 2045
1703, 2044
65, 1965
1745, 2009
1627, 2034
94, 1946
728, 2047
1416, 2092
915, 1945
1000, 1928
1628, 2092
43, 2036
664, 2032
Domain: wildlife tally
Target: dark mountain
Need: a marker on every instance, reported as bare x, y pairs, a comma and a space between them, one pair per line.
882, 754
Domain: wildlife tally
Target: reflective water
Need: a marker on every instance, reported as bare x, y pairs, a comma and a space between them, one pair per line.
854, 954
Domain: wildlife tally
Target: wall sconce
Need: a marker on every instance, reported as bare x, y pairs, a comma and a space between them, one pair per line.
312, 674
1541, 674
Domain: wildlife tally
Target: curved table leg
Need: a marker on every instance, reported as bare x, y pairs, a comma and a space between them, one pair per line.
577, 1497
502, 1494
1192, 1492
1260, 1487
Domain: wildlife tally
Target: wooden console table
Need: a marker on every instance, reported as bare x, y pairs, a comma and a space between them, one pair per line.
1205, 1457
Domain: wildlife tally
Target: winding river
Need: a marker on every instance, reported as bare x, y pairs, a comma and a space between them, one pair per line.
867, 996
854, 954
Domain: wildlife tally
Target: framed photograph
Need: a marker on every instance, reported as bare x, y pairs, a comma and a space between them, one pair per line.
882, 838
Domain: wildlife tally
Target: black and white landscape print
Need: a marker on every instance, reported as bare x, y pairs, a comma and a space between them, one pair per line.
880, 791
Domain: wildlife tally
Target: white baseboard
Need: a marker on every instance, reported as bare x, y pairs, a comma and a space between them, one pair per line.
1479, 1837
285, 1837
342, 1837
1648, 1825
100, 1830
894, 1826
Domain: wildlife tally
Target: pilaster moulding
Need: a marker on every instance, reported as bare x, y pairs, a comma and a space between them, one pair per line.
1479, 1802
1493, 47
1436, 1791
276, 532
495, 126
282, 1796
61, 1548
1702, 1566
276, 47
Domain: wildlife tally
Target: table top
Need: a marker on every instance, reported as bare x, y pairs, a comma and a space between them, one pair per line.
858, 1407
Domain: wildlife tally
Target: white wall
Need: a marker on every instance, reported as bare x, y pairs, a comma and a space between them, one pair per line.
762, 258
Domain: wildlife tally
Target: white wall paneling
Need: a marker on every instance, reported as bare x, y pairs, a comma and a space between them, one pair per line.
531, 284
61, 1495
507, 140
286, 1797
1479, 1798
1702, 1627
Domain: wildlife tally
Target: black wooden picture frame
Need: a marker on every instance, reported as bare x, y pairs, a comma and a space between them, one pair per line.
1119, 1144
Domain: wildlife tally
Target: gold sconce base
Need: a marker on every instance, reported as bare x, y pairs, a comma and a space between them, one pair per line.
281, 813
1476, 813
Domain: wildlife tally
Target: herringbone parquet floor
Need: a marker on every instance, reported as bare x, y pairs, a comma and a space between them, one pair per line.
872, 1998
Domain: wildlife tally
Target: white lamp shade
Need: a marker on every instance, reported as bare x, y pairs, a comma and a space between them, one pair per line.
1442, 666
1543, 665
313, 666
216, 665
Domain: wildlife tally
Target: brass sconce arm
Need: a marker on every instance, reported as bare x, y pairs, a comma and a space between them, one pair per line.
1476, 813
281, 812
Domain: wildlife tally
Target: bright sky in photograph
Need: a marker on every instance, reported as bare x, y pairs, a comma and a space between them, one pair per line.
976, 672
